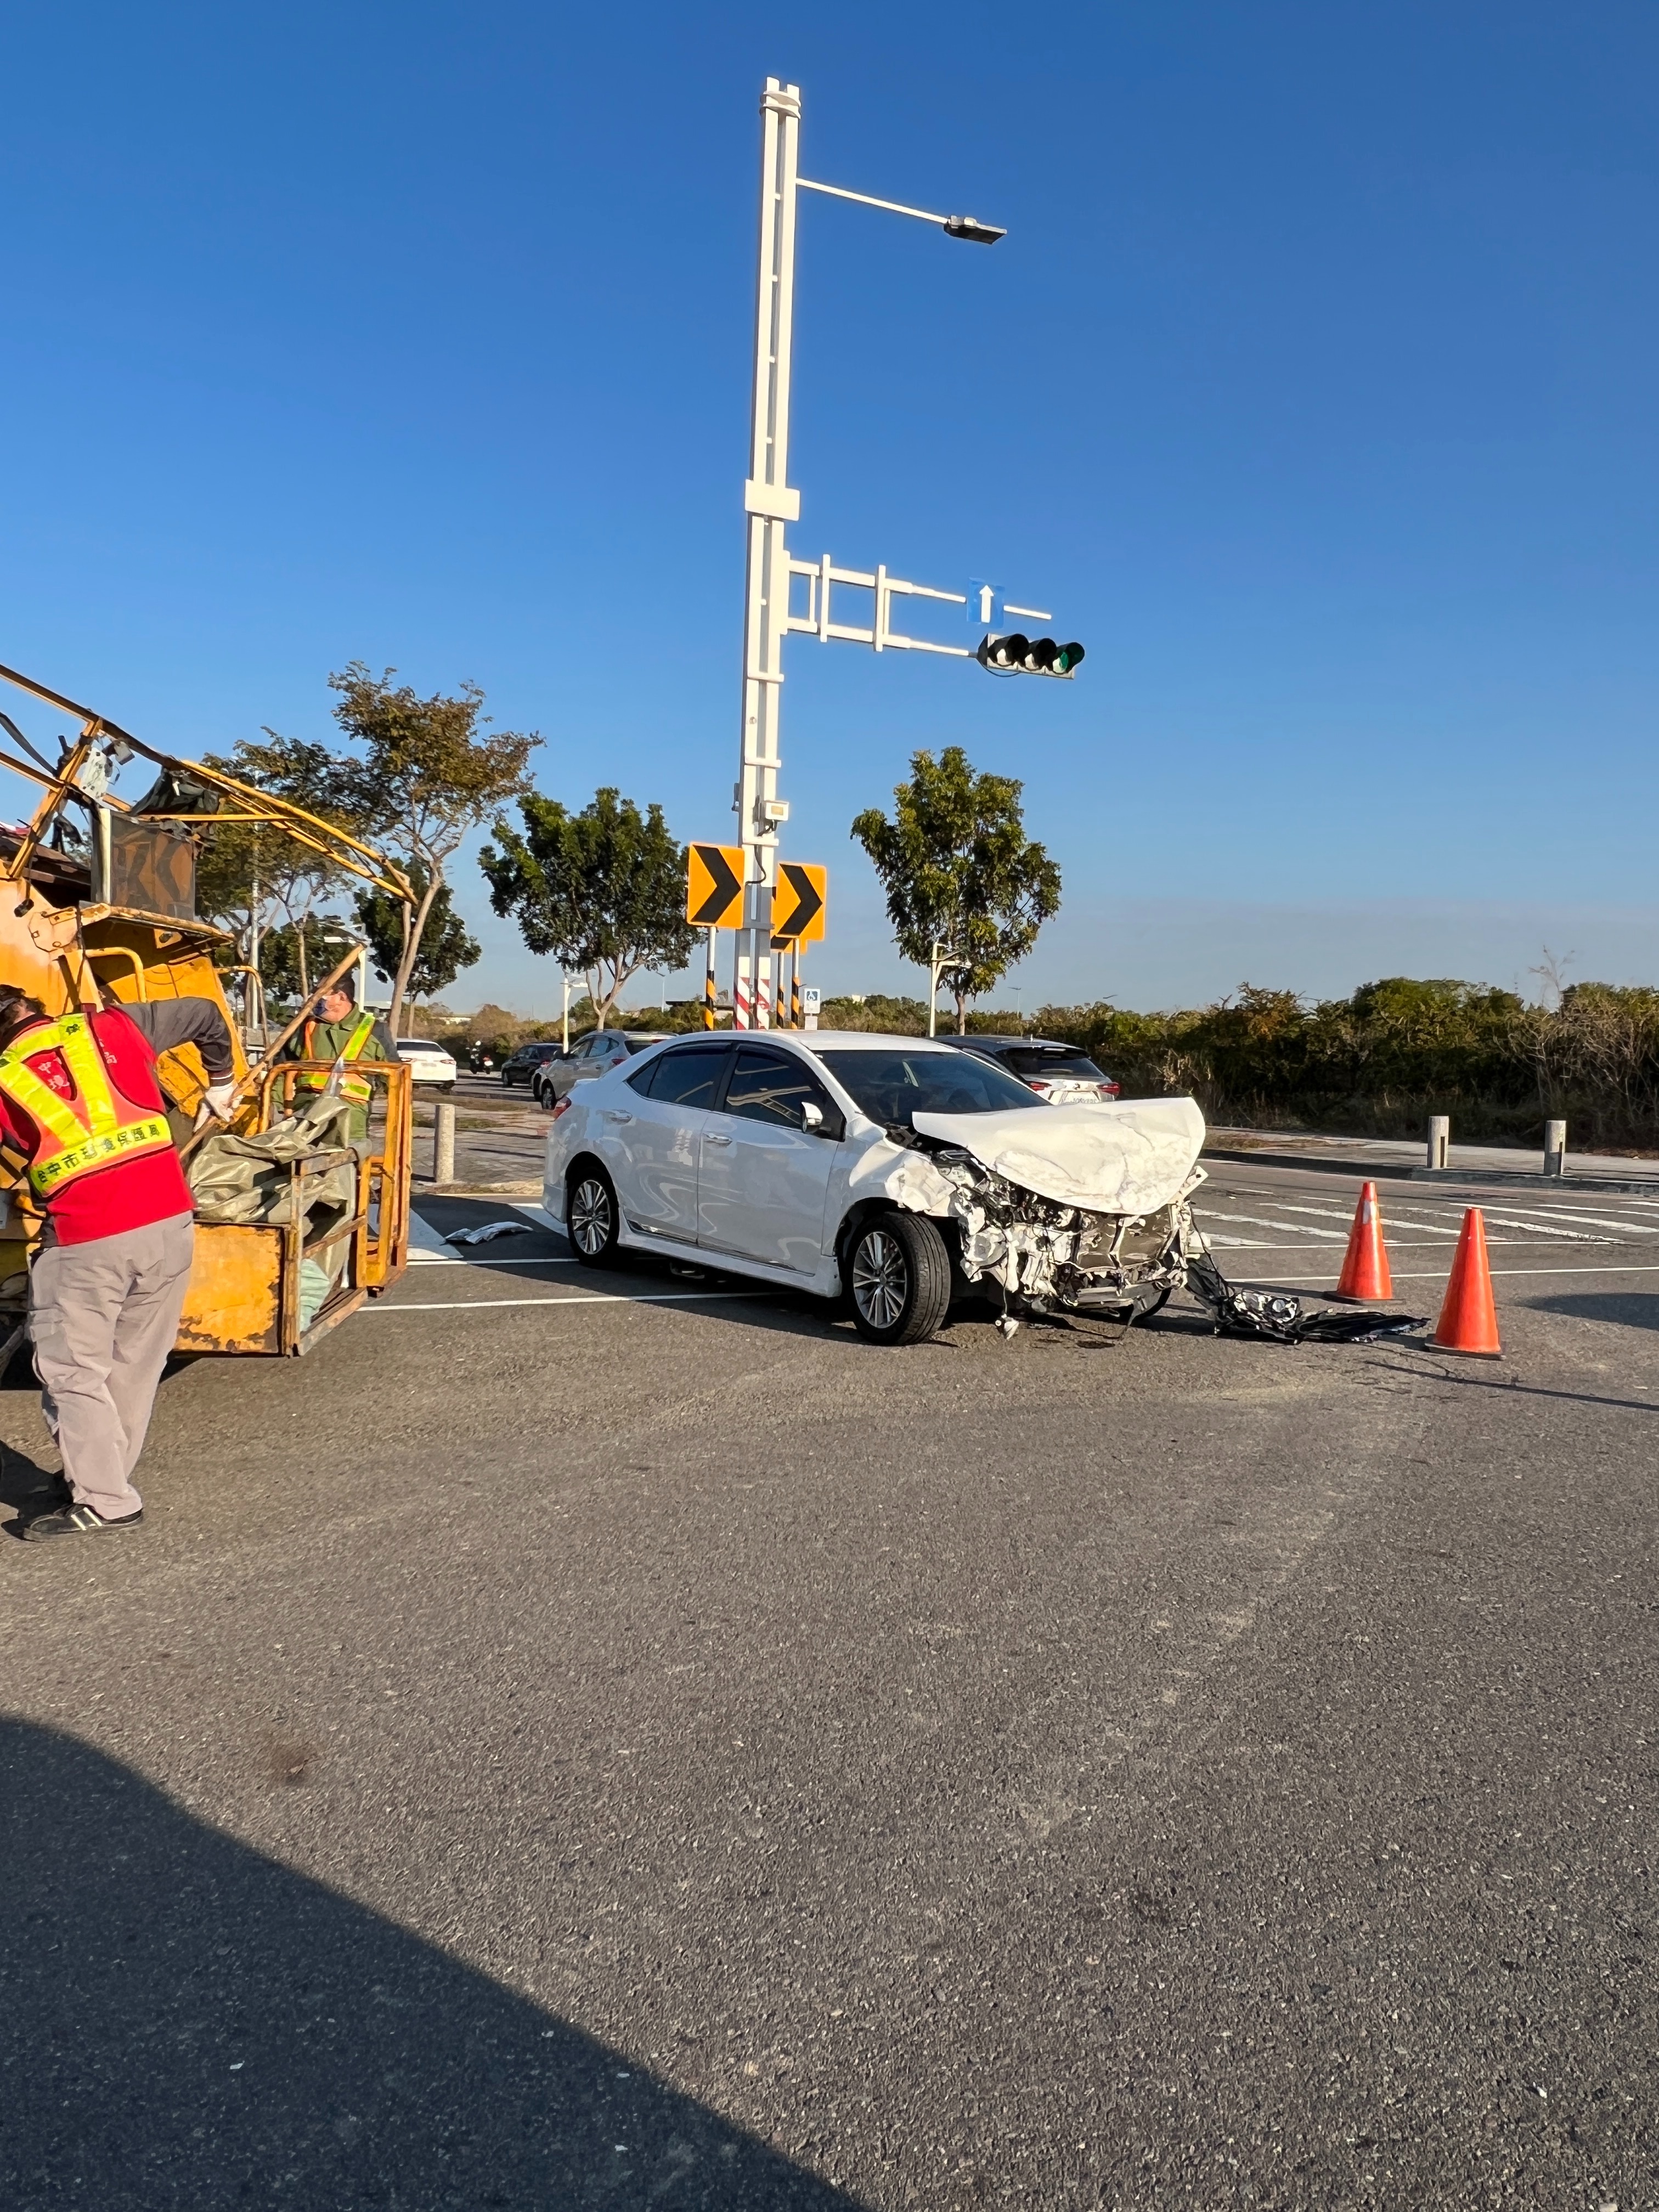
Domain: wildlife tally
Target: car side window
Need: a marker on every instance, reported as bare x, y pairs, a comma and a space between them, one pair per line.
642, 1078
689, 1076
765, 1086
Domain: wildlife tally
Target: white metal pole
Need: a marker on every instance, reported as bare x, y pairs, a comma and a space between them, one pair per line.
564, 976
769, 504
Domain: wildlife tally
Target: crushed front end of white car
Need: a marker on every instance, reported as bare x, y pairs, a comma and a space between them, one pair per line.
1082, 1206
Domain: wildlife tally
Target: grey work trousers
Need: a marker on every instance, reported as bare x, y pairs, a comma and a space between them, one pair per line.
103, 1317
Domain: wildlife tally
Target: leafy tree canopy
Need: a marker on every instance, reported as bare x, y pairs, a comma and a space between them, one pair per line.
603, 891
447, 946
424, 777
959, 870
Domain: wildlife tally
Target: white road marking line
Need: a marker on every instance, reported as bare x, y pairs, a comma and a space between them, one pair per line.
1601, 1221
1439, 1275
1256, 1221
1542, 1229
455, 1259
576, 1298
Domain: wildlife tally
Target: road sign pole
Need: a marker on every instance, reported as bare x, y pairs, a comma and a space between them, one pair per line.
770, 505
710, 991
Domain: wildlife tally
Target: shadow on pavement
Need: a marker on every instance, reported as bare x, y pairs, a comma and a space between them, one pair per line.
1629, 1308
186, 2023
1428, 1368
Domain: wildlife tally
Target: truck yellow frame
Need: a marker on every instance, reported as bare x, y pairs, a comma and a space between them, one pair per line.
248, 1290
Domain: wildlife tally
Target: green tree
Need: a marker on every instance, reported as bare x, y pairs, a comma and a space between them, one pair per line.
603, 890
294, 955
959, 870
447, 946
422, 778
253, 878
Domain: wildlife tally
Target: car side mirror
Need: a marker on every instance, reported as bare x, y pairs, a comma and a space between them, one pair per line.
811, 1116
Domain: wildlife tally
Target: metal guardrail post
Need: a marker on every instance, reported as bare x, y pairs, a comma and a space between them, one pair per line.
1555, 1148
443, 1141
1439, 1139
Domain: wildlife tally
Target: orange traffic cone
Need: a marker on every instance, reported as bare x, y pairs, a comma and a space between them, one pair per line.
1468, 1319
1365, 1267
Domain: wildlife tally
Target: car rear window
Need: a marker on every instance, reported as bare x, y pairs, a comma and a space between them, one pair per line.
689, 1077
893, 1086
1028, 1059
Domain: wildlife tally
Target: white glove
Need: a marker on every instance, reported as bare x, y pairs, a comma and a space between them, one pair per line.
215, 1105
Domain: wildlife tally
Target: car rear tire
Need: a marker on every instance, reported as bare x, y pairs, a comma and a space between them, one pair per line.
591, 1215
898, 1278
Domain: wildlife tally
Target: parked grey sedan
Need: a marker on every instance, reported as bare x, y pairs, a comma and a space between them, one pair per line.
596, 1053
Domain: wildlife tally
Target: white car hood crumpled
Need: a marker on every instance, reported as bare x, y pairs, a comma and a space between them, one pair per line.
1104, 1157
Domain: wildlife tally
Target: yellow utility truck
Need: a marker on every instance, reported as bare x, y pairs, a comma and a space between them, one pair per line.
295, 1227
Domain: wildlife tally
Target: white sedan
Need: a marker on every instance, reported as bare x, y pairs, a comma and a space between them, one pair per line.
428, 1062
893, 1169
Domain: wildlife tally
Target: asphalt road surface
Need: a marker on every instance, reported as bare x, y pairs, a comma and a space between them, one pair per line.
582, 1741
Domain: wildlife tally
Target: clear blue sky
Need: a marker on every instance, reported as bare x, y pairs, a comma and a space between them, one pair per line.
1313, 386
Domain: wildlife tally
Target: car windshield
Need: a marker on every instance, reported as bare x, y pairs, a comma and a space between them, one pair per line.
895, 1085
1029, 1060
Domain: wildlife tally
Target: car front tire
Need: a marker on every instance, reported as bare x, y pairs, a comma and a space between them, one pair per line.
591, 1217
898, 1278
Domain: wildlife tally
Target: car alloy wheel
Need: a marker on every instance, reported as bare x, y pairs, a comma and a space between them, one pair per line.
592, 1217
881, 1279
897, 1272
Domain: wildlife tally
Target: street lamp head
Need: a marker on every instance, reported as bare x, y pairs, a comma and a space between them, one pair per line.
963, 225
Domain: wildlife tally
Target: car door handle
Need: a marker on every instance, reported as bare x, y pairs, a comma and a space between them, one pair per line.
614, 1114
717, 1140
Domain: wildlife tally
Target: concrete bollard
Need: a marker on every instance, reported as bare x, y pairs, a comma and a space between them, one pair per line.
443, 1141
1439, 1139
1555, 1148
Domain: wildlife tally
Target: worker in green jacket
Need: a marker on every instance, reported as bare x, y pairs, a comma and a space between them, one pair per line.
335, 1031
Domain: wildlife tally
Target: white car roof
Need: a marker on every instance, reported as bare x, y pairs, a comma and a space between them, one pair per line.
842, 1040
813, 1040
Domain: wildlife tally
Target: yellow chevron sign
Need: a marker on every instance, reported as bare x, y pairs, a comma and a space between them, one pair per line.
713, 886
799, 902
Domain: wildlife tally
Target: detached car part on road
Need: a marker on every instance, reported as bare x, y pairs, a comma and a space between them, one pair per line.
899, 1171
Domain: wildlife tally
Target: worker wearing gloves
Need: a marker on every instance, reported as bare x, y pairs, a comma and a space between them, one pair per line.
335, 1031
81, 1108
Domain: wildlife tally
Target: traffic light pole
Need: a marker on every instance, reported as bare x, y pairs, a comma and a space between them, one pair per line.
769, 504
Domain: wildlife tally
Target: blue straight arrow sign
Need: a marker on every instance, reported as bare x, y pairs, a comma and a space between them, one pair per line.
984, 604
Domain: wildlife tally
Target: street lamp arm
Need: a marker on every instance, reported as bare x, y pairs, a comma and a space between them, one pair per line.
957, 226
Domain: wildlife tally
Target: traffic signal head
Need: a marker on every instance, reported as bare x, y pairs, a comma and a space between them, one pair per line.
1017, 655
1003, 653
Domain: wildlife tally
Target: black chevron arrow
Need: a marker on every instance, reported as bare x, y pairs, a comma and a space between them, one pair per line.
727, 885
809, 902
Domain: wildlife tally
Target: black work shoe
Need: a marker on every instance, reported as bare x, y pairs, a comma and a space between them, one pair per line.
75, 1521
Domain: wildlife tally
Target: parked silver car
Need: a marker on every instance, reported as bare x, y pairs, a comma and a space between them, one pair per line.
595, 1055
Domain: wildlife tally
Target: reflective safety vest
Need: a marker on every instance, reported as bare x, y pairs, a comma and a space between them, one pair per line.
98, 1128
357, 1088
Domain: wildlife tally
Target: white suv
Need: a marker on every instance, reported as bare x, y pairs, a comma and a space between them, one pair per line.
895, 1169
